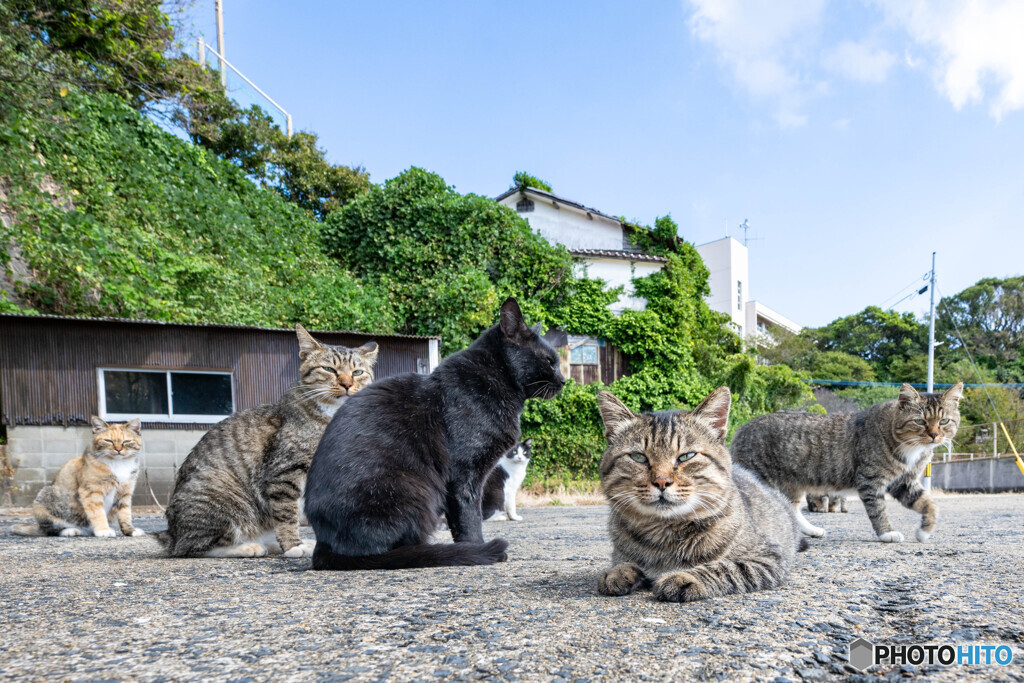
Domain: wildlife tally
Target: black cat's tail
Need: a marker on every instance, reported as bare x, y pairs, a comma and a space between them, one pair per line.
415, 556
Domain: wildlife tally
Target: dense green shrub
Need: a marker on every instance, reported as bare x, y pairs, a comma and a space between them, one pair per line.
116, 217
447, 260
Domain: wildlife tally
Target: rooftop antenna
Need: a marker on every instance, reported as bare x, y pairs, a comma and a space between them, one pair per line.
745, 227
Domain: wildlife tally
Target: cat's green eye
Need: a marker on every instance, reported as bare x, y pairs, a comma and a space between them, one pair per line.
920, 422
329, 369
638, 457
684, 457
944, 421
356, 373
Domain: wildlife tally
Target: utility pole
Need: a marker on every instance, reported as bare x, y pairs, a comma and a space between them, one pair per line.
220, 45
931, 331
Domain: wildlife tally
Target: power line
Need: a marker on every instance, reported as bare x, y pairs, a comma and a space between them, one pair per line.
912, 283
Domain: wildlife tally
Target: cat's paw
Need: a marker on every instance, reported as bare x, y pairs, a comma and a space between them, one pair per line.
250, 550
923, 535
891, 537
622, 579
71, 531
679, 587
138, 532
516, 518
812, 531
104, 533
304, 549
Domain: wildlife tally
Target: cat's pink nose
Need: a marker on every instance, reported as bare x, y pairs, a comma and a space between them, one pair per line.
662, 483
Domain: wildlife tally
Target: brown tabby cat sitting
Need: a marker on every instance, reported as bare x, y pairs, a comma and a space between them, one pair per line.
682, 515
93, 488
238, 490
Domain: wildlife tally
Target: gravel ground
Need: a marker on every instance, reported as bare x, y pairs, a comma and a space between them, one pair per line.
113, 609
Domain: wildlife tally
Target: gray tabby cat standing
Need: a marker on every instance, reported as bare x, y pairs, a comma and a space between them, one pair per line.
238, 490
684, 520
884, 448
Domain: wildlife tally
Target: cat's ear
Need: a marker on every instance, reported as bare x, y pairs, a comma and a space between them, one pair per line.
98, 425
954, 393
134, 425
369, 352
512, 324
307, 344
529, 442
908, 396
714, 410
614, 412
536, 330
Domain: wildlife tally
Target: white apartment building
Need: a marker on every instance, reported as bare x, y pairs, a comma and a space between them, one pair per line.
600, 240
728, 261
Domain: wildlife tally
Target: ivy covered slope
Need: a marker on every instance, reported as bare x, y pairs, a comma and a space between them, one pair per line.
114, 217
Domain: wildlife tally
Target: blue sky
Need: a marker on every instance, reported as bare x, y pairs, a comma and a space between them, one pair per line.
855, 136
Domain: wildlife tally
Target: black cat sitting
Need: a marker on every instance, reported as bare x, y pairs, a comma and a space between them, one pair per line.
403, 448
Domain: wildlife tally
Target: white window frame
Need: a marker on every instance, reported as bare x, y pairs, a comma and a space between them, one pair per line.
156, 417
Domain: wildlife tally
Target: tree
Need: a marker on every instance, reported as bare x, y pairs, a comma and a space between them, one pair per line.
989, 315
886, 339
448, 259
123, 47
294, 166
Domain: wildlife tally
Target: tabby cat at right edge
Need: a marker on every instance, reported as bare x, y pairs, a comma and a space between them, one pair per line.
882, 449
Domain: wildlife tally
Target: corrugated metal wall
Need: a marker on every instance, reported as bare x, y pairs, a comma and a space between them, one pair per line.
48, 365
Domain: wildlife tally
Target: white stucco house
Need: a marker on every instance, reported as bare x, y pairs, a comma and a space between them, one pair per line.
728, 261
599, 240
602, 242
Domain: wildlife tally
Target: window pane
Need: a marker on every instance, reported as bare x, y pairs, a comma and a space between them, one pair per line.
201, 394
585, 354
135, 393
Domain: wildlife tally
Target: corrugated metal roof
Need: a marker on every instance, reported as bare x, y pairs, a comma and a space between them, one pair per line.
619, 254
50, 316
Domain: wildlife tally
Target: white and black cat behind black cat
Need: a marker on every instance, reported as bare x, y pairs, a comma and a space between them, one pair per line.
499, 501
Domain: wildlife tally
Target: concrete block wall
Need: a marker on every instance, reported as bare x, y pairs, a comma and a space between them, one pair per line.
37, 454
989, 475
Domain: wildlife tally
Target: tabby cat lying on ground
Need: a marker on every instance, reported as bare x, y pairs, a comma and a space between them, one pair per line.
238, 490
93, 488
826, 502
883, 448
413, 445
684, 520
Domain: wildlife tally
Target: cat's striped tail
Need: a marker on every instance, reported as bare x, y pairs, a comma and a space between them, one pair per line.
29, 530
415, 556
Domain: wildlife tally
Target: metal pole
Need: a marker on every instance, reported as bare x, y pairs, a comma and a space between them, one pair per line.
995, 441
931, 331
220, 45
202, 53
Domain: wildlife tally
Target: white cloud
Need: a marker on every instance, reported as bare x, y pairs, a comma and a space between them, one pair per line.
760, 42
977, 44
859, 61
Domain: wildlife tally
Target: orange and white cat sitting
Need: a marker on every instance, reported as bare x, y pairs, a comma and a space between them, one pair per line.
93, 488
